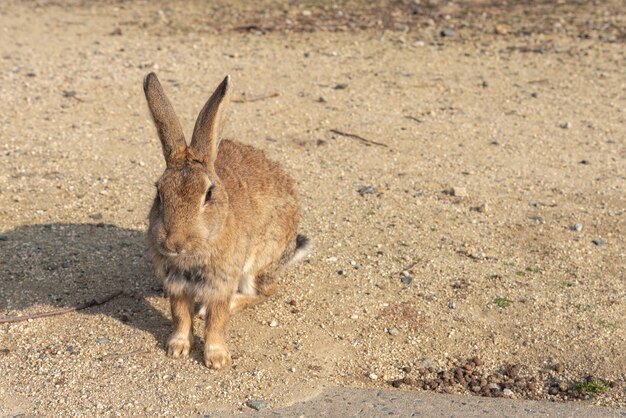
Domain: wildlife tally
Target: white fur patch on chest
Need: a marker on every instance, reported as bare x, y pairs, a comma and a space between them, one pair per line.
247, 280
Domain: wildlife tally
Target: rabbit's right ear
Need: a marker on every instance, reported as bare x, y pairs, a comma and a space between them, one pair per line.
167, 124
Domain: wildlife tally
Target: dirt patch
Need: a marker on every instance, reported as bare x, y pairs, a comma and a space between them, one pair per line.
489, 225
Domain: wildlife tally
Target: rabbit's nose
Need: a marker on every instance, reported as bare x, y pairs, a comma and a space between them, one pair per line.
174, 243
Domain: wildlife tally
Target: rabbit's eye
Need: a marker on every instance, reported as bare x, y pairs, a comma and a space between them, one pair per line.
207, 197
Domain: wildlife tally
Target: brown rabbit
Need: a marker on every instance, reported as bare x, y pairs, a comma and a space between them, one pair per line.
222, 223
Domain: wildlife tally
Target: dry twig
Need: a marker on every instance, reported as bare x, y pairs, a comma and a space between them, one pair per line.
62, 311
245, 99
365, 141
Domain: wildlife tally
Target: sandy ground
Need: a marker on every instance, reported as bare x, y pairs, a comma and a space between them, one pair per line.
460, 246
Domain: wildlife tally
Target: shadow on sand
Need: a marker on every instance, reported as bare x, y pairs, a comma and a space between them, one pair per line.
50, 266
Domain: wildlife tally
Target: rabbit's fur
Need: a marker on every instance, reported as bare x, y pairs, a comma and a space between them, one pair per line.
224, 220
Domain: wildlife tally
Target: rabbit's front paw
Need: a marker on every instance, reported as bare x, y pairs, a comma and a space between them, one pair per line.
179, 346
216, 356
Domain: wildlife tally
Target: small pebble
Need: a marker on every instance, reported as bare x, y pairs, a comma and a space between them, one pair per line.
598, 242
393, 331
256, 404
585, 162
553, 390
563, 387
373, 376
493, 386
407, 369
341, 86
558, 367
4, 238
274, 323
447, 32
451, 305
576, 227
354, 316
406, 279
459, 191
101, 340
507, 393
537, 219
566, 125
500, 29
366, 190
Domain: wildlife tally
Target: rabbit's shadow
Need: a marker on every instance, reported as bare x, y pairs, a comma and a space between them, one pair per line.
64, 265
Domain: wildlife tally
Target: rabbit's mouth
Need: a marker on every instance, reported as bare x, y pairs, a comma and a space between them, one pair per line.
169, 254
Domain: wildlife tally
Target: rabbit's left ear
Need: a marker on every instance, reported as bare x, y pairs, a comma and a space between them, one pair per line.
206, 133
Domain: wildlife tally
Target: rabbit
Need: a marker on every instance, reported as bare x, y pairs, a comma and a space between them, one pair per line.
223, 223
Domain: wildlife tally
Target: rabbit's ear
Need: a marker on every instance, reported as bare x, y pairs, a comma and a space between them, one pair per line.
206, 133
165, 120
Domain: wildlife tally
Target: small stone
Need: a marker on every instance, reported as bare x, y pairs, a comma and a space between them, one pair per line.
507, 393
558, 367
563, 387
366, 190
406, 279
124, 318
513, 371
306, 13
101, 340
393, 331
31, 74
4, 238
447, 32
427, 363
576, 227
354, 316
534, 94
341, 86
340, 272
274, 323
493, 386
116, 32
566, 125
256, 404
396, 383
484, 208
373, 376
407, 369
476, 389
477, 255
537, 219
485, 84
598, 242
451, 305
532, 386
584, 162
501, 29
459, 191
553, 390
